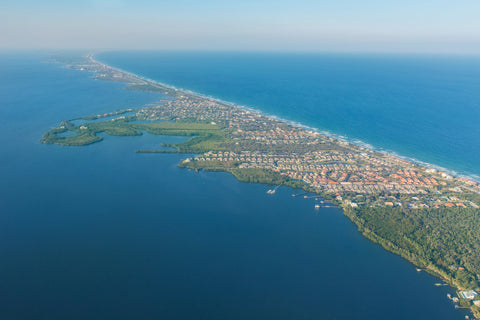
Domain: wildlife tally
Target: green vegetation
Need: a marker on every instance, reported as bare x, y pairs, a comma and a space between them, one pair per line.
179, 128
114, 128
263, 176
476, 312
80, 139
419, 226
156, 151
443, 241
148, 87
87, 133
205, 136
266, 177
105, 115
440, 240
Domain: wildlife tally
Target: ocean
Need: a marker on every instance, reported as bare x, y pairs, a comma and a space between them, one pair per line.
101, 232
422, 107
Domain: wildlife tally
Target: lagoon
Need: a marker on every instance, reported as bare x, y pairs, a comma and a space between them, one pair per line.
103, 232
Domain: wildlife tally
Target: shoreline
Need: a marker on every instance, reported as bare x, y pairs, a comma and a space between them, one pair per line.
355, 141
374, 237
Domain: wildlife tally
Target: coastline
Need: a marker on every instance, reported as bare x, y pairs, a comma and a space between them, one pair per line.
298, 125
352, 140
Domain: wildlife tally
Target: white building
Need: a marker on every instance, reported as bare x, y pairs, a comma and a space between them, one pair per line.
469, 295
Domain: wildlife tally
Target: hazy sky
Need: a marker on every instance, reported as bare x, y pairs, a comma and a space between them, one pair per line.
305, 25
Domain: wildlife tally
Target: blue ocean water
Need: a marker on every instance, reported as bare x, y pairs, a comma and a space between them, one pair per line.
100, 232
422, 107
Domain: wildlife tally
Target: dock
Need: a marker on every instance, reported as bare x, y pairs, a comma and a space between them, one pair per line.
300, 194
272, 191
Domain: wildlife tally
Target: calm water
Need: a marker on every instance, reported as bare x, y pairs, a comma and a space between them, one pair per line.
425, 107
101, 232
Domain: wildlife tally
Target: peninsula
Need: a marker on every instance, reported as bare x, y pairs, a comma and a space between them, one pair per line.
429, 217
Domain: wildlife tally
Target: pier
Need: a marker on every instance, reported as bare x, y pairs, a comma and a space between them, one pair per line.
300, 194
272, 191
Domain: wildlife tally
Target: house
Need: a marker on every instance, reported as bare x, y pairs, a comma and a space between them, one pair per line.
469, 295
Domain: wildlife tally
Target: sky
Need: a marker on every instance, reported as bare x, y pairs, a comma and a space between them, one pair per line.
435, 26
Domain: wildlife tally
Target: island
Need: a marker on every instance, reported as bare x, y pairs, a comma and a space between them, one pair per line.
427, 216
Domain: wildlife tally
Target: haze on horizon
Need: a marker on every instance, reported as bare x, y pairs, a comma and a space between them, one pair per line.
438, 26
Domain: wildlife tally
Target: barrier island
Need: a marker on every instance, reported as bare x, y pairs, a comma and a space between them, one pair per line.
428, 217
